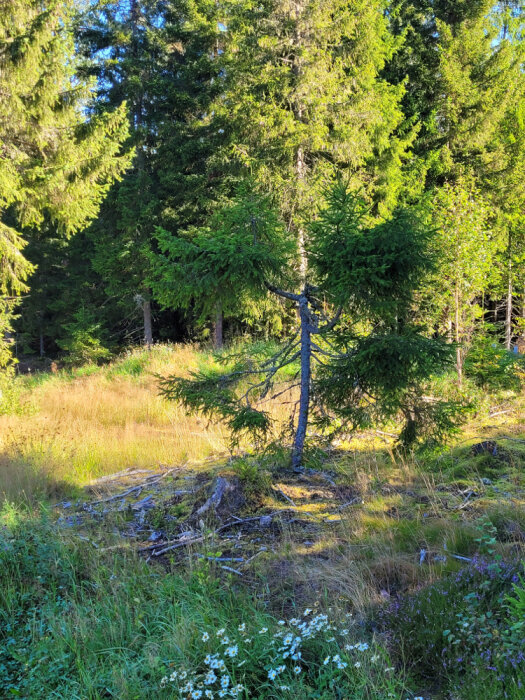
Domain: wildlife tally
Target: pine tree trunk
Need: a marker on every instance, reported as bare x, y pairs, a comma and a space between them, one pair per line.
508, 314
304, 399
217, 328
148, 329
41, 343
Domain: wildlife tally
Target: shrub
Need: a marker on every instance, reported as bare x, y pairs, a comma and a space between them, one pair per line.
494, 367
459, 626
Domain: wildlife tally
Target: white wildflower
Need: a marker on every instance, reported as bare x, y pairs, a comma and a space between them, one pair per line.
357, 664
297, 669
210, 678
272, 674
232, 651
205, 637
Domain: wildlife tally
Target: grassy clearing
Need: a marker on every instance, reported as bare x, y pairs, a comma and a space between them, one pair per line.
363, 531
77, 426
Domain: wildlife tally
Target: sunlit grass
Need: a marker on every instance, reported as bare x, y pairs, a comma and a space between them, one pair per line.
78, 425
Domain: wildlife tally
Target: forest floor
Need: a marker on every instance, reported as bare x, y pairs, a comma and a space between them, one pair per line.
148, 536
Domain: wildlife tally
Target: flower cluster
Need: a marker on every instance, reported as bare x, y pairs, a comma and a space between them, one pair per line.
293, 651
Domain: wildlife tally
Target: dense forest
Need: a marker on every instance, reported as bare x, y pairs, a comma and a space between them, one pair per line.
128, 127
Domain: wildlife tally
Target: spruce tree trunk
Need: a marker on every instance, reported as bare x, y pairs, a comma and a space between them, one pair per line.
217, 328
148, 330
304, 399
41, 343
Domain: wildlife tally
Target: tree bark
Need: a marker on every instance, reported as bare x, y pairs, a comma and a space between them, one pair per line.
217, 328
306, 372
298, 110
148, 330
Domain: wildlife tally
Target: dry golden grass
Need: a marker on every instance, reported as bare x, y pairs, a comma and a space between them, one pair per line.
77, 429
97, 421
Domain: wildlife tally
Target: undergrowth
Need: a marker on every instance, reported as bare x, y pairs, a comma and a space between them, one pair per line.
83, 623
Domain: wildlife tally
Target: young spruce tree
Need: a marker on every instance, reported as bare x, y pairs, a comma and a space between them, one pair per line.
358, 357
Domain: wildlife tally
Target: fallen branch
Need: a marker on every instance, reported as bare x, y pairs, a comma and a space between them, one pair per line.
139, 488
234, 571
286, 498
144, 484
354, 502
175, 544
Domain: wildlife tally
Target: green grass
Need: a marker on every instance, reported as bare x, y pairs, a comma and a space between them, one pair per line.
81, 616
77, 622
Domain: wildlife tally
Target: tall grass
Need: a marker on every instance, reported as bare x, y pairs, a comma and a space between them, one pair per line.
78, 425
81, 425
79, 623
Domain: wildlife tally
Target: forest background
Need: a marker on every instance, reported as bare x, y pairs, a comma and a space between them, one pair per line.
160, 111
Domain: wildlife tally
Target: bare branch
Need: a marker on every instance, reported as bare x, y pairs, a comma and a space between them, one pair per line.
282, 293
328, 326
